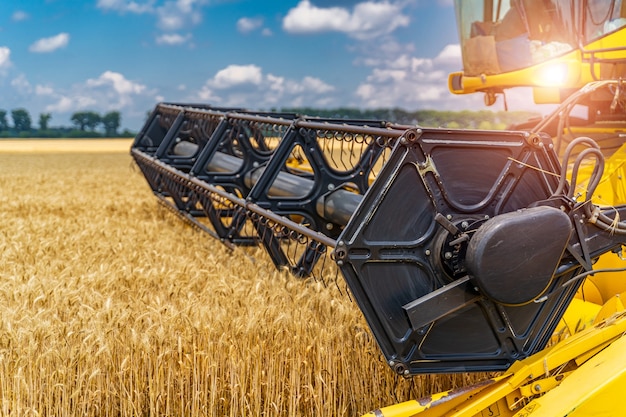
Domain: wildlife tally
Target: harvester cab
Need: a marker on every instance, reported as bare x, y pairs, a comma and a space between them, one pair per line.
555, 47
466, 250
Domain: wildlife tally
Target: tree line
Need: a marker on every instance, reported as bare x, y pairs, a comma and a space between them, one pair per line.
464, 119
93, 124
85, 124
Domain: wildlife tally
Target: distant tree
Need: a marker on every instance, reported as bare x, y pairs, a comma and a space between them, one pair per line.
44, 118
4, 125
111, 122
485, 125
21, 120
86, 120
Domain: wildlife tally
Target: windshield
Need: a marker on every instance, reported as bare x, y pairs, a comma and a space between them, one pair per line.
602, 17
505, 35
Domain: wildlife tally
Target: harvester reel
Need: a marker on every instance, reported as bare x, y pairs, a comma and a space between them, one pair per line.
463, 249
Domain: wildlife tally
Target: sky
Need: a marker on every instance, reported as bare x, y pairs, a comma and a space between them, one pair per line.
64, 56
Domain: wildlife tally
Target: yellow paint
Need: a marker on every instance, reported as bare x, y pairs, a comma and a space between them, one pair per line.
578, 73
539, 386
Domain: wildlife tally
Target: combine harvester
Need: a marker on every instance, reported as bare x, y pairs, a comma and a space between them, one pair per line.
466, 250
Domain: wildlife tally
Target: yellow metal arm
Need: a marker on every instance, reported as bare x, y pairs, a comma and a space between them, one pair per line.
592, 360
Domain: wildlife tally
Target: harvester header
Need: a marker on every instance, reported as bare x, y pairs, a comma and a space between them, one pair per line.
465, 250
462, 248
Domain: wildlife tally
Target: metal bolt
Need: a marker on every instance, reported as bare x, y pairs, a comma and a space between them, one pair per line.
465, 225
331, 187
329, 226
449, 217
391, 363
427, 252
447, 255
537, 388
406, 372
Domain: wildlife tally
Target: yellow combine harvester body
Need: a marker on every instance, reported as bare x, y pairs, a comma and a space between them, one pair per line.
466, 250
565, 45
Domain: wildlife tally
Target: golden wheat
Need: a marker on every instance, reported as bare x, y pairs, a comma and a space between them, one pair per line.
110, 306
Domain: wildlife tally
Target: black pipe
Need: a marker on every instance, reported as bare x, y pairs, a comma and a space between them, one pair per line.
336, 207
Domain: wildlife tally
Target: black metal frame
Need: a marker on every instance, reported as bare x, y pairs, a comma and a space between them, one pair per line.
403, 254
242, 156
411, 240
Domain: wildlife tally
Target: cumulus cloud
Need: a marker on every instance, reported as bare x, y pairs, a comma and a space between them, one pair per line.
450, 54
50, 44
175, 15
124, 6
118, 82
5, 57
367, 20
43, 90
19, 16
72, 103
247, 86
21, 84
173, 39
234, 75
413, 82
171, 15
109, 91
249, 24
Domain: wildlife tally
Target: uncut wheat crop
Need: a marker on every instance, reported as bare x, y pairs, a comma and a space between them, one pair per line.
111, 306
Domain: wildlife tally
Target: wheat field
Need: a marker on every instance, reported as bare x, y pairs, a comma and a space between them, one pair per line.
111, 306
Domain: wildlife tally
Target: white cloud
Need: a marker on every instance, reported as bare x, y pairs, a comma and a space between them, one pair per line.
5, 57
173, 39
124, 6
415, 82
19, 16
43, 90
75, 102
367, 20
171, 15
175, 15
450, 53
118, 82
109, 91
249, 24
21, 84
234, 75
50, 44
317, 85
247, 86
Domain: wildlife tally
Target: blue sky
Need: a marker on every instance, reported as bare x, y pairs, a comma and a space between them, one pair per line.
63, 56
